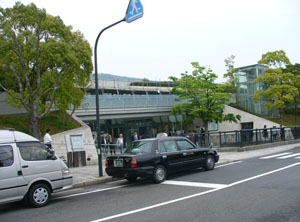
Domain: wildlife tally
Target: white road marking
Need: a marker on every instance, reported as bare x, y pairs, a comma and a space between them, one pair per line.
89, 192
289, 156
194, 184
297, 157
227, 164
273, 156
191, 196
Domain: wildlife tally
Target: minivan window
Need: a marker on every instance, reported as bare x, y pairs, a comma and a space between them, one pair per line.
6, 156
34, 151
185, 145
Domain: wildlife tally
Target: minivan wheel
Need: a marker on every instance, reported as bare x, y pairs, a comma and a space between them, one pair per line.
159, 174
39, 195
209, 163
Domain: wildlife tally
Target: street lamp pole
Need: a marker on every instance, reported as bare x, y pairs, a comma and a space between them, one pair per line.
97, 98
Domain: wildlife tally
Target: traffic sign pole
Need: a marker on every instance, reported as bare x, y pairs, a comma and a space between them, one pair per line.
134, 11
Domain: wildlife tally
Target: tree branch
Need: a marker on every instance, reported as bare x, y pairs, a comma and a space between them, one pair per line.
21, 57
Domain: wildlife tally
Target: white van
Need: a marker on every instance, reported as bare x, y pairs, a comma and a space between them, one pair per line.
29, 170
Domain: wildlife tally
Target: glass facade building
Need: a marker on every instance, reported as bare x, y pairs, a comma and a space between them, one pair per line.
247, 88
128, 105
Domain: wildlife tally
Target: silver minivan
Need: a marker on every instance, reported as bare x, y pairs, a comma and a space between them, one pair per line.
29, 170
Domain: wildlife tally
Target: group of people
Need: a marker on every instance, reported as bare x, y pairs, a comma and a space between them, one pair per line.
275, 132
108, 145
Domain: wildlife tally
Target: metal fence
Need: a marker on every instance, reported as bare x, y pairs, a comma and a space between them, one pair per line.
240, 138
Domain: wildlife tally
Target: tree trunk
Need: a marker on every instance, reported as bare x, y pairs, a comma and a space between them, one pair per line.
296, 110
206, 133
34, 127
280, 115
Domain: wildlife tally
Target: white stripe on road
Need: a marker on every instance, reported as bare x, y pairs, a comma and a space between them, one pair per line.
227, 164
289, 156
297, 157
191, 196
112, 188
89, 192
273, 156
194, 184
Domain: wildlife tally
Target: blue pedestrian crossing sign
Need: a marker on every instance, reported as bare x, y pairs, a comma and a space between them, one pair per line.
135, 10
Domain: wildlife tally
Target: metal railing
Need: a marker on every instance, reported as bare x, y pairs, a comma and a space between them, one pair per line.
241, 138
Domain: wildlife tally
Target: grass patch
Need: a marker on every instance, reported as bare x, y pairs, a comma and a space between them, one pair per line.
287, 120
56, 121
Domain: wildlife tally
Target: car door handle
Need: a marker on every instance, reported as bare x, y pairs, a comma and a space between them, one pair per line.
164, 156
25, 166
184, 154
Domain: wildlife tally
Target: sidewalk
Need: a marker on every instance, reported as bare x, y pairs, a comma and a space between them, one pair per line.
89, 175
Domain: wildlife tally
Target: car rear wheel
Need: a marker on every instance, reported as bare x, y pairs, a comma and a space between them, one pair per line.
209, 163
39, 195
131, 179
159, 174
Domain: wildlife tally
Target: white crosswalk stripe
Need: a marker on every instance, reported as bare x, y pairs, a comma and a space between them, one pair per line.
273, 156
282, 156
289, 156
194, 184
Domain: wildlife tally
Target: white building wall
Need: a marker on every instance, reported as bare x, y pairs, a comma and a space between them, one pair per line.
60, 144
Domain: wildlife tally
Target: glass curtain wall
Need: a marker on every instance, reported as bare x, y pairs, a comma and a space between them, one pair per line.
247, 88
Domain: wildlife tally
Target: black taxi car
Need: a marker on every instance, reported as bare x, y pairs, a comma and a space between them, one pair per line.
154, 158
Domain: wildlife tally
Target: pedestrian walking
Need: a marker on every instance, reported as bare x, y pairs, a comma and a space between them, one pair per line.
120, 143
48, 139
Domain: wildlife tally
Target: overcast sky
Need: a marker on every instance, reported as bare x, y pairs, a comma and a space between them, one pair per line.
174, 33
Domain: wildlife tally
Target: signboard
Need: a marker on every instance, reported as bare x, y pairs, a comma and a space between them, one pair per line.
77, 142
134, 11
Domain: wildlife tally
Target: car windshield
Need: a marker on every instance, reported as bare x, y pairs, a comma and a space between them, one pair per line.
139, 147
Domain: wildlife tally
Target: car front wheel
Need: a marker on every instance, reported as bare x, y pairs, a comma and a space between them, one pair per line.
39, 195
159, 174
209, 163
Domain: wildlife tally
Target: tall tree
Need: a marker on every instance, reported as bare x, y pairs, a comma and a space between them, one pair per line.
295, 70
43, 64
201, 97
230, 74
279, 89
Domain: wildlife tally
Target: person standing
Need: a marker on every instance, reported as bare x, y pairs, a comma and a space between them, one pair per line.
112, 148
104, 144
120, 143
135, 136
48, 138
265, 132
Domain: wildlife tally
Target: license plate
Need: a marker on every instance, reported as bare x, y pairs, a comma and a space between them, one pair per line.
118, 163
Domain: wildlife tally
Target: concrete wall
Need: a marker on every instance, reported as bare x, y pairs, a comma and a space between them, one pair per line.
60, 143
258, 122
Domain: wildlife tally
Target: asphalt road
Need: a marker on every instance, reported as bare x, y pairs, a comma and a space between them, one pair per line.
258, 189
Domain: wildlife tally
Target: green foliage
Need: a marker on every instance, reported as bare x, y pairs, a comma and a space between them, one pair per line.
201, 97
281, 87
43, 64
280, 91
276, 59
